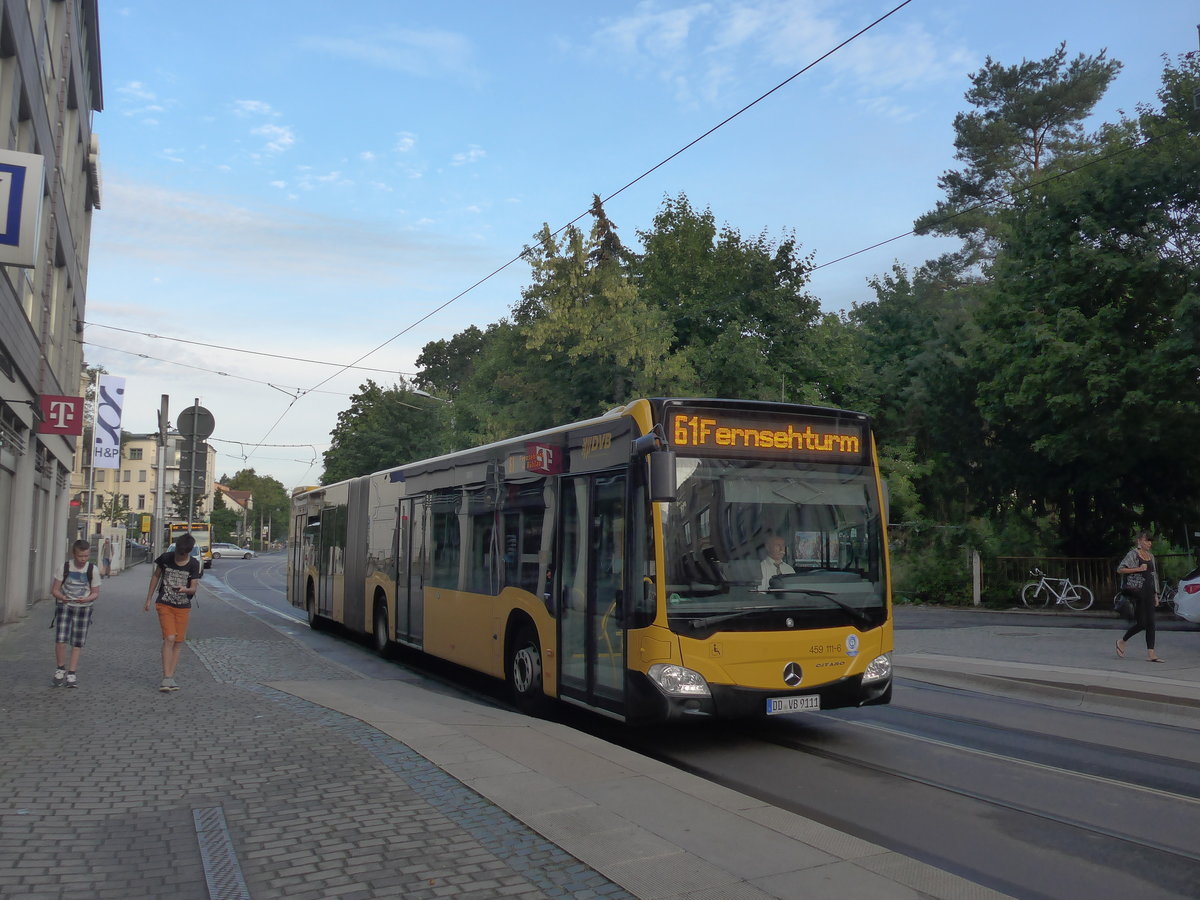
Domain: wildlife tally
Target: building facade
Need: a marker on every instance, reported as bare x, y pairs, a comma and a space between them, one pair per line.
136, 483
50, 86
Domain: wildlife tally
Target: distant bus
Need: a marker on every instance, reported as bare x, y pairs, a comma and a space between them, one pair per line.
618, 563
202, 532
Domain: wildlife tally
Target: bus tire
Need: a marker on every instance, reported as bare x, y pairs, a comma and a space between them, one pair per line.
379, 634
525, 671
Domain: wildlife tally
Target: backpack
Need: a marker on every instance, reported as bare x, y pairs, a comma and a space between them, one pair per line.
67, 570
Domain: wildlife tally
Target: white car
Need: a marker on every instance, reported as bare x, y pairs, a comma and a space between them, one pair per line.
219, 550
1187, 597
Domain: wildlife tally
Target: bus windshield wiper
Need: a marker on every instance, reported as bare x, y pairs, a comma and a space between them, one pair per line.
826, 595
726, 617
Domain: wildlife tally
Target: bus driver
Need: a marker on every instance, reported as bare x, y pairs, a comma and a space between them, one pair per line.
773, 563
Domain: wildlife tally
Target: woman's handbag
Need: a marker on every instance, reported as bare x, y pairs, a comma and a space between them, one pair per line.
1133, 583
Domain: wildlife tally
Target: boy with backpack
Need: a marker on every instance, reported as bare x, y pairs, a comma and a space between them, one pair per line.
74, 589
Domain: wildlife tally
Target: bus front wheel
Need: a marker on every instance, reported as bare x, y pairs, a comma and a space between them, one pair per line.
525, 671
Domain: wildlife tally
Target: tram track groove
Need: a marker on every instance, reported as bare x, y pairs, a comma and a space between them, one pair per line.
991, 800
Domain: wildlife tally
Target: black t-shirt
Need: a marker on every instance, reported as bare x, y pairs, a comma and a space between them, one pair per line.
173, 578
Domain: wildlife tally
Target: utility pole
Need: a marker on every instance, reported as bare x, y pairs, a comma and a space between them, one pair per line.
159, 528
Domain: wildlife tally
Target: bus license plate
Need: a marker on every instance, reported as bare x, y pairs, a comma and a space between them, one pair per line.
779, 705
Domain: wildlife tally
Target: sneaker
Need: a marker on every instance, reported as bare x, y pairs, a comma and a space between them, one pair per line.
60, 677
168, 684
71, 679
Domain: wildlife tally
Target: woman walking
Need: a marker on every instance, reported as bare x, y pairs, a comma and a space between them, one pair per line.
1140, 580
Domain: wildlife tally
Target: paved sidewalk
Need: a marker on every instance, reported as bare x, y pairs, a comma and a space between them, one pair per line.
1031, 653
275, 772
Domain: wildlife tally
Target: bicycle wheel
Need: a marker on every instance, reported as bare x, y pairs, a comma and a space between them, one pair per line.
1031, 595
1077, 597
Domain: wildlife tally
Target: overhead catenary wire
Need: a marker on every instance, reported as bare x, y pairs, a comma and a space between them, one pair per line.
610, 196
290, 358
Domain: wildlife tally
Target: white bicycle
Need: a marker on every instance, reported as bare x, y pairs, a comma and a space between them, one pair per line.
1061, 590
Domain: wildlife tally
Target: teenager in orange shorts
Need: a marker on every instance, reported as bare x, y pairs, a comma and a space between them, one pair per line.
176, 576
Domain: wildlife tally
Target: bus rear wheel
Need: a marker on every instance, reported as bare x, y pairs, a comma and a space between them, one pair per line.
380, 636
525, 671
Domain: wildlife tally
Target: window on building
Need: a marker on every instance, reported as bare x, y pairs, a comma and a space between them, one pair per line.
127, 475
141, 475
135, 452
141, 501
99, 476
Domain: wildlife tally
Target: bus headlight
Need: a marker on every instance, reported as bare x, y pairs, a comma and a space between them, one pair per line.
678, 681
880, 667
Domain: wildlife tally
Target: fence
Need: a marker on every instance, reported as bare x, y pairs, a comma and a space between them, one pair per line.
1002, 576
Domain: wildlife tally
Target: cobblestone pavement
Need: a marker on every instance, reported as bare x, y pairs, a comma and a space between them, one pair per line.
228, 788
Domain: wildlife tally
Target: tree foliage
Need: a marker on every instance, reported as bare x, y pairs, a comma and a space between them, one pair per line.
1039, 386
1026, 119
384, 427
272, 504
113, 508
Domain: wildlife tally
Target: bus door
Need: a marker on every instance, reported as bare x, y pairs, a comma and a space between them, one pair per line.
409, 561
592, 564
301, 555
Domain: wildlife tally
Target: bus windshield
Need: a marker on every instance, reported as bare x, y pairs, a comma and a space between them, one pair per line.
765, 545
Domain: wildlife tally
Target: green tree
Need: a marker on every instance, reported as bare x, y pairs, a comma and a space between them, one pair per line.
113, 508
1088, 348
271, 502
743, 324
185, 506
384, 427
444, 366
225, 522
1027, 120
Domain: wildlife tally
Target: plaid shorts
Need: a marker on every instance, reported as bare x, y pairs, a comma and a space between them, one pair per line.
72, 624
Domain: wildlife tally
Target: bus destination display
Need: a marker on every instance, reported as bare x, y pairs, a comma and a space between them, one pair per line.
809, 437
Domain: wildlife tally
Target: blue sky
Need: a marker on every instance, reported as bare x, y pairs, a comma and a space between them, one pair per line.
309, 179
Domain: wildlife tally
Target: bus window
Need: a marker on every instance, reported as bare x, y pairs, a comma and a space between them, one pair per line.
483, 564
445, 539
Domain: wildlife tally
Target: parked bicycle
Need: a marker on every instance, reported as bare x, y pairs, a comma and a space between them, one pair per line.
1166, 595
1062, 591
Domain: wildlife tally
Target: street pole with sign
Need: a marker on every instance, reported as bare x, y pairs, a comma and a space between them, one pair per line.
195, 425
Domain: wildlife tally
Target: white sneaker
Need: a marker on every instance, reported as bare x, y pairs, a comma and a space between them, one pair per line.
167, 685
60, 677
71, 679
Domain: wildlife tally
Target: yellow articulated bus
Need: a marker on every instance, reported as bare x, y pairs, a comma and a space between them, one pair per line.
670, 560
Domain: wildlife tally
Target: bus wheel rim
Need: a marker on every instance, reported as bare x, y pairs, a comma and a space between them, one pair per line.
527, 668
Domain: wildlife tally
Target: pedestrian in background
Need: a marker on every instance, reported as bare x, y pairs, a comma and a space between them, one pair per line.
106, 559
74, 589
1139, 579
176, 575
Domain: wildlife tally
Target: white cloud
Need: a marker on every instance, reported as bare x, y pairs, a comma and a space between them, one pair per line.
136, 90
367, 156
253, 108
716, 49
432, 53
472, 155
279, 137
405, 142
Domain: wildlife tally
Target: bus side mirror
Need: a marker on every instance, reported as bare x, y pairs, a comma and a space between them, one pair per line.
662, 476
661, 459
